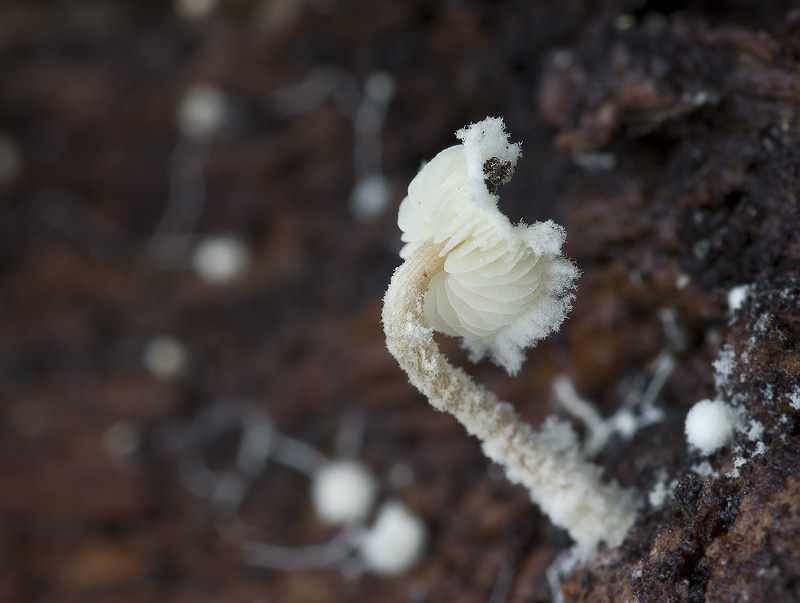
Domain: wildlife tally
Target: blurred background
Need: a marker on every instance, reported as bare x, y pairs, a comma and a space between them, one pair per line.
197, 224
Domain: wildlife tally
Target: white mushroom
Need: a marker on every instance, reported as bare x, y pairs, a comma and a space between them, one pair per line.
469, 272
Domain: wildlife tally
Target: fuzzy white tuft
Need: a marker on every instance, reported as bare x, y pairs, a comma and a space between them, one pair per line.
737, 296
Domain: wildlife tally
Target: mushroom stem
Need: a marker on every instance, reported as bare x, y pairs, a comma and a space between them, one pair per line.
549, 463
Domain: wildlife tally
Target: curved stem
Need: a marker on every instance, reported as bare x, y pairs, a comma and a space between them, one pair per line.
549, 463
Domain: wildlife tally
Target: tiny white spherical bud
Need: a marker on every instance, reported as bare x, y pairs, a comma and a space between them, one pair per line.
370, 197
737, 296
710, 425
343, 492
396, 541
165, 357
220, 259
202, 111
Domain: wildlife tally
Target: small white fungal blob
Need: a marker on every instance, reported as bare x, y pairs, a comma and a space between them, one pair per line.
202, 111
755, 431
396, 541
194, 9
736, 297
221, 259
710, 425
370, 197
503, 287
165, 357
343, 492
704, 468
794, 398
658, 494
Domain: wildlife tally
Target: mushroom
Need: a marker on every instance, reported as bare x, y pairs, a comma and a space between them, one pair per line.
469, 272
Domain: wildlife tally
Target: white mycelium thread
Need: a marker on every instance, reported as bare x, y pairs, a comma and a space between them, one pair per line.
469, 272
502, 287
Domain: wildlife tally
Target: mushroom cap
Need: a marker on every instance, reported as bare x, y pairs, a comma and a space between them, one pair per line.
503, 286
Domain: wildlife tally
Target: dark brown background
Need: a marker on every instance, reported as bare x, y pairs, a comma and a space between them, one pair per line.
697, 109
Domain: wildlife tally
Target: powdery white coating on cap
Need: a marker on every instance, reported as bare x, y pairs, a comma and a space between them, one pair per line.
504, 287
343, 492
482, 141
396, 541
220, 259
710, 425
